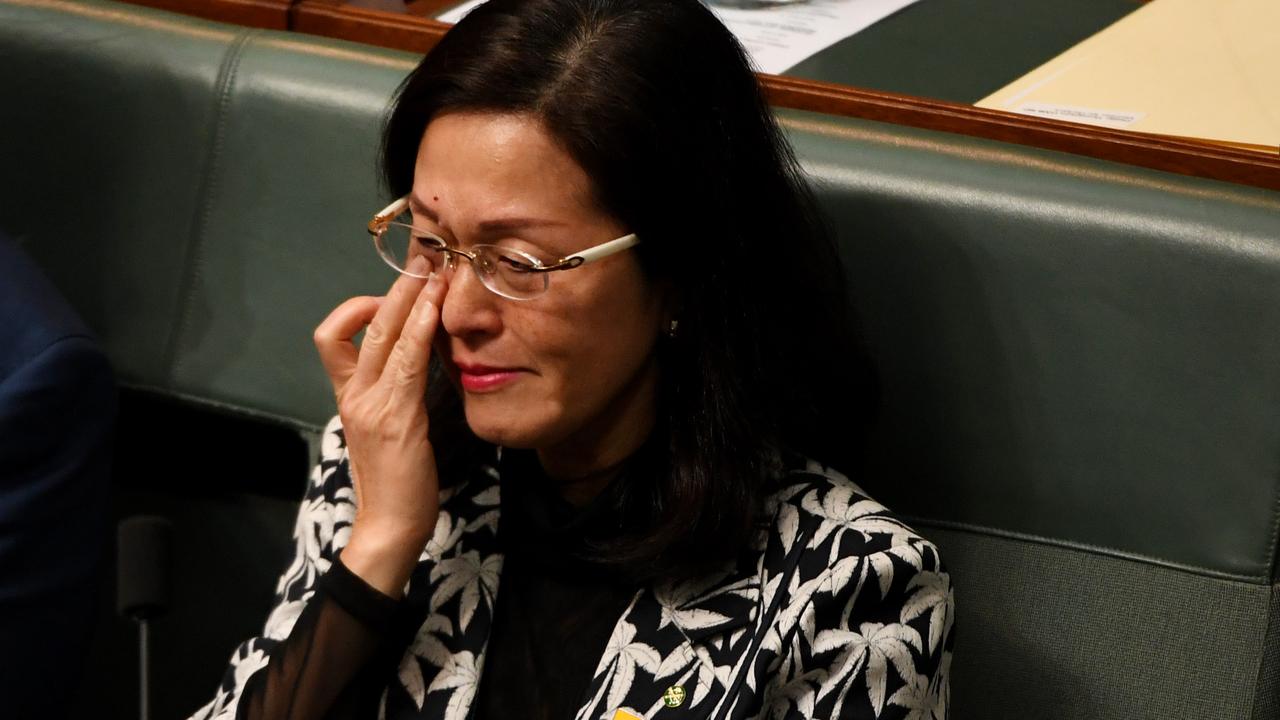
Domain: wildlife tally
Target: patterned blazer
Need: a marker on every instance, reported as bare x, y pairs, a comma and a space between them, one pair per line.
841, 611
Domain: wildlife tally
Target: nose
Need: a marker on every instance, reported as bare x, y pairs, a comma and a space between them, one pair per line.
470, 309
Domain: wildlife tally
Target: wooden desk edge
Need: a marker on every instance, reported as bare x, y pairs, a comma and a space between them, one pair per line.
415, 33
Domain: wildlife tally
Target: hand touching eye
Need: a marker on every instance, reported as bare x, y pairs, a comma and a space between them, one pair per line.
380, 385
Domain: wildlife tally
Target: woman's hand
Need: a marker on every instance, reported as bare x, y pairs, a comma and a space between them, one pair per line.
380, 387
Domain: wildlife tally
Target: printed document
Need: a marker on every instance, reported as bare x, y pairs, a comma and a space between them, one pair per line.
779, 35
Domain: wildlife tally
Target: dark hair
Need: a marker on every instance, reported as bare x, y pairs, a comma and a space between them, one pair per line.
656, 100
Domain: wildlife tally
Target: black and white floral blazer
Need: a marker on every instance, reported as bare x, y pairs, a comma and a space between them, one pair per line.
843, 612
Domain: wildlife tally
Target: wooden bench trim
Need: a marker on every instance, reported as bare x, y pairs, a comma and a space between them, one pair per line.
418, 32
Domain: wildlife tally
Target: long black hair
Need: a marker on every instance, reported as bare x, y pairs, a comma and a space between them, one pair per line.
656, 100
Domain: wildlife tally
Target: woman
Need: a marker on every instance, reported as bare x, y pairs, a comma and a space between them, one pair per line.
605, 509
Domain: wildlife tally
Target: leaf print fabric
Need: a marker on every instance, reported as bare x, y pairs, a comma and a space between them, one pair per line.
838, 610
471, 578
324, 516
875, 639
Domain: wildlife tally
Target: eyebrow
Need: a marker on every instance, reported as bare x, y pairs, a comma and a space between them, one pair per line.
491, 226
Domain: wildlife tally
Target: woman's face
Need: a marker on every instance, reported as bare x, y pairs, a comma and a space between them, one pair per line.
572, 371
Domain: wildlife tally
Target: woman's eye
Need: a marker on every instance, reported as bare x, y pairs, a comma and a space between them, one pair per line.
520, 247
515, 264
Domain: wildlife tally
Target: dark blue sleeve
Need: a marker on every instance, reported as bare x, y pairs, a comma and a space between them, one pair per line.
57, 413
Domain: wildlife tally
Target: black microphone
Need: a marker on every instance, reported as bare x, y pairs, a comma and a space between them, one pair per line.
143, 557
142, 566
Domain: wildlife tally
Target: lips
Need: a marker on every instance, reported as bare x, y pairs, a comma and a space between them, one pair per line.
477, 378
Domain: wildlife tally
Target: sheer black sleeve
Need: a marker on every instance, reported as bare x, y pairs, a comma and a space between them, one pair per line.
324, 623
323, 669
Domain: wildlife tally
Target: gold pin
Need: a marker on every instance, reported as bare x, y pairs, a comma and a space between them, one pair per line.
674, 696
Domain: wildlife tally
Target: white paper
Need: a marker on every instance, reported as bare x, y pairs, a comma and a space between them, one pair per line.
780, 36
458, 12
1075, 113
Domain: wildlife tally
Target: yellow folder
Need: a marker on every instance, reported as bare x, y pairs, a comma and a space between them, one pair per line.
1198, 69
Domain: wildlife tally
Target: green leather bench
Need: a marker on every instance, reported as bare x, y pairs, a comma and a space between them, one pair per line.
1079, 359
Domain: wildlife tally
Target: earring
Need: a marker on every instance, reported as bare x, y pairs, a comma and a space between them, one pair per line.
672, 328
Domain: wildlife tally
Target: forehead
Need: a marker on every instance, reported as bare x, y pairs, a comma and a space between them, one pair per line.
487, 162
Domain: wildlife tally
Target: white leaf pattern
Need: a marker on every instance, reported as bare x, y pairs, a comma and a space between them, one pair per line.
882, 564
469, 575
459, 675
445, 535
788, 526
832, 643
283, 616
798, 694
427, 644
250, 664
875, 645
674, 662
410, 675
489, 497
625, 655
930, 593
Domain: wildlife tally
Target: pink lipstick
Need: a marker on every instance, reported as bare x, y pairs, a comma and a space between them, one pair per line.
484, 378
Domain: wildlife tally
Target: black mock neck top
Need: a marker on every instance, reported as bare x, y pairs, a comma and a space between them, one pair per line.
557, 602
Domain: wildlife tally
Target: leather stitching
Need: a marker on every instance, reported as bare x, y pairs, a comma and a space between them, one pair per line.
126, 16
299, 425
1275, 535
1037, 159
205, 194
1267, 660
918, 522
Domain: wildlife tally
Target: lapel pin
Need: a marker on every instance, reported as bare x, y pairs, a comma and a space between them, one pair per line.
674, 696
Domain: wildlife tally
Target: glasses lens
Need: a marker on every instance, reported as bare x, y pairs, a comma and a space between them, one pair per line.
399, 244
509, 272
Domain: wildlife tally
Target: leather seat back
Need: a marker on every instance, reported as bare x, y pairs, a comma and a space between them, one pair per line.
1082, 405
1082, 399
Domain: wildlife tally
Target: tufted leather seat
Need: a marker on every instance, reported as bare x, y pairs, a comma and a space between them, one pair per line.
1079, 359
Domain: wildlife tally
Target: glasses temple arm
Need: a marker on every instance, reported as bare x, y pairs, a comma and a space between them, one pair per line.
599, 251
387, 213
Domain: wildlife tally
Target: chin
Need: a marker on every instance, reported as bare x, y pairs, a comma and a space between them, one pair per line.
510, 427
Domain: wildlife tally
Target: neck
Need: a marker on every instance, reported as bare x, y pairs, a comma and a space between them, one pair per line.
581, 489
584, 464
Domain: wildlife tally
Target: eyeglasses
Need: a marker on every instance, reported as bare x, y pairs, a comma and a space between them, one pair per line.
508, 272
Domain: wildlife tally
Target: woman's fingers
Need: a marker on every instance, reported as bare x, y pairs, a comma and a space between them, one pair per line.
380, 387
407, 366
384, 330
334, 337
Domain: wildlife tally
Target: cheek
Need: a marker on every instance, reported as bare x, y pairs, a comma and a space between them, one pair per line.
557, 348
612, 318
600, 344
587, 344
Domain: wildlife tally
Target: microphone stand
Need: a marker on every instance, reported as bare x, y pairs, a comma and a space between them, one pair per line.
144, 666
142, 587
